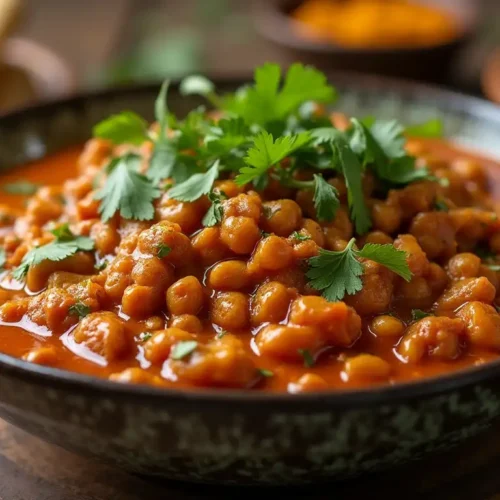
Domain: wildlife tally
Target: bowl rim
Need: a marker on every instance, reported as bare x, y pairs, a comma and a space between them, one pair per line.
273, 23
339, 398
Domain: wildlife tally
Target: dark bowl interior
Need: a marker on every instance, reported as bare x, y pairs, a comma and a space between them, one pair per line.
237, 437
430, 63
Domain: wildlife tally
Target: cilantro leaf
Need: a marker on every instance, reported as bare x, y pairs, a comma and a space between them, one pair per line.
215, 212
183, 349
389, 135
336, 274
162, 250
299, 236
127, 191
349, 165
308, 357
418, 314
326, 199
161, 110
227, 135
267, 152
57, 250
265, 102
63, 233
125, 127
21, 187
431, 128
79, 309
163, 161
387, 256
196, 186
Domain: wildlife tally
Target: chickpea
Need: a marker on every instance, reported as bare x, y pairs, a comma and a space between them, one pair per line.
490, 274
386, 217
377, 237
208, 246
139, 301
230, 188
187, 215
106, 237
228, 275
185, 296
313, 229
230, 310
154, 323
472, 171
387, 326
240, 234
281, 217
436, 277
135, 376
94, 153
88, 207
435, 233
284, 342
483, 324
157, 348
466, 290
464, 265
416, 257
270, 303
243, 205
367, 366
417, 293
187, 322
42, 356
273, 253
309, 382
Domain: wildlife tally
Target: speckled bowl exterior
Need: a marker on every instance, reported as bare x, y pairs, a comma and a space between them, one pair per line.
237, 437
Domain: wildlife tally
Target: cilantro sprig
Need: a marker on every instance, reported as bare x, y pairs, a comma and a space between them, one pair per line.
127, 191
336, 274
65, 245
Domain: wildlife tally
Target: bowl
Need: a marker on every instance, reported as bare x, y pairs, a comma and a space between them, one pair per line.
236, 437
31, 72
432, 63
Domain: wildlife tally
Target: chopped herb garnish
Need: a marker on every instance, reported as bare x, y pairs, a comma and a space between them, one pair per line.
270, 211
299, 236
215, 212
221, 334
493, 267
308, 357
441, 206
336, 274
163, 250
183, 349
126, 191
79, 309
25, 188
65, 245
143, 336
418, 314
265, 373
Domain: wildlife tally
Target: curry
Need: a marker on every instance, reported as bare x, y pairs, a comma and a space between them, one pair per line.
266, 244
375, 23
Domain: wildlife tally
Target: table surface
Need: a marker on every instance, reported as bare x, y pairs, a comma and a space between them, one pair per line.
31, 469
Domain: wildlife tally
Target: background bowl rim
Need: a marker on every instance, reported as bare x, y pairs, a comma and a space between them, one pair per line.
343, 398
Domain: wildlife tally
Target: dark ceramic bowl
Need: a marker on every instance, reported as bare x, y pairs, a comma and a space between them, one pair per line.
432, 63
243, 437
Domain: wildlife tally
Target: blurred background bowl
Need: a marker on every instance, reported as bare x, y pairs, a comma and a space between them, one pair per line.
30, 72
431, 63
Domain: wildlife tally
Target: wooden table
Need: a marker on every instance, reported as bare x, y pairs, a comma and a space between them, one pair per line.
33, 470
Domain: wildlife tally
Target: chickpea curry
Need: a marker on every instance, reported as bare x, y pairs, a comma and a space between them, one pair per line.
263, 244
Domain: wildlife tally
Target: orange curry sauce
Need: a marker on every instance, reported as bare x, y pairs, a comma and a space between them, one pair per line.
21, 338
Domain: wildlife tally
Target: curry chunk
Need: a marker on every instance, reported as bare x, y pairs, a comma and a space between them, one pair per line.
435, 337
466, 290
483, 324
104, 334
221, 363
